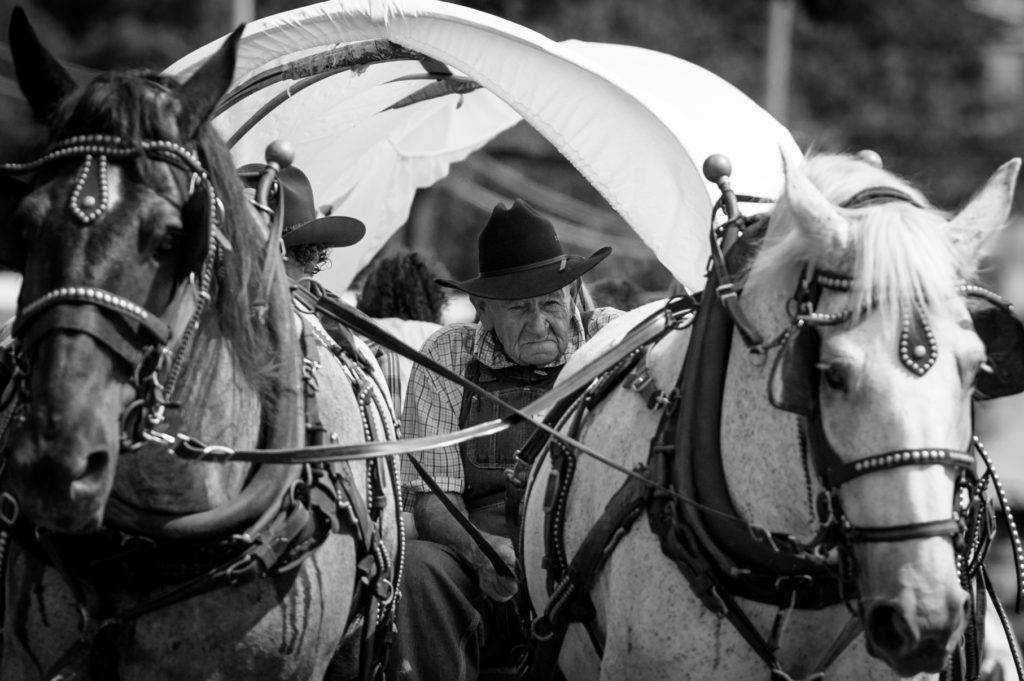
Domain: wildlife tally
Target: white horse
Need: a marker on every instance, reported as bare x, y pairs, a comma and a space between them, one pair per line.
891, 258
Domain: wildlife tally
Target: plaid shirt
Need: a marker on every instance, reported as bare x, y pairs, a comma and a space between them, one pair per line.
433, 404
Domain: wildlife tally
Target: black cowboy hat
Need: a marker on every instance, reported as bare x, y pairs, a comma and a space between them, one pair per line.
301, 225
520, 257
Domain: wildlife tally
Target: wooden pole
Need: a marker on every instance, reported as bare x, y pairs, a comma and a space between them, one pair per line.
782, 14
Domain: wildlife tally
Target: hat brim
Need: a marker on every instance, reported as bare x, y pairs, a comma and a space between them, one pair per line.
335, 231
531, 283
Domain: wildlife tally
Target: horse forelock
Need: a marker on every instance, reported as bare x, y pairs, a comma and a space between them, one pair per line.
120, 103
240, 284
898, 253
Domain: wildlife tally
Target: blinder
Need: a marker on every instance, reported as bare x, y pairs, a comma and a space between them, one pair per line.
13, 246
793, 385
197, 218
1003, 335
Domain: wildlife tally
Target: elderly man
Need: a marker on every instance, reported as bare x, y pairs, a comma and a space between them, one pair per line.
455, 614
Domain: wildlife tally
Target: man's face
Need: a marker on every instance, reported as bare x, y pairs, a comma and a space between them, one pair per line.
532, 331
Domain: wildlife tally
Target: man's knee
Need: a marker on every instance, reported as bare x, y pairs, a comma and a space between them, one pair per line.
431, 568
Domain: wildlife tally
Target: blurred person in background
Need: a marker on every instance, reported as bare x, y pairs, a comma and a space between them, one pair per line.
401, 293
308, 239
621, 294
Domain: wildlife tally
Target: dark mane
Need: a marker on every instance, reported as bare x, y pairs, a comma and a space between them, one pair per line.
123, 104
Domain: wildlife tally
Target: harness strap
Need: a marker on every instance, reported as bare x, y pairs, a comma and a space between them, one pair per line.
1008, 629
275, 247
891, 533
376, 577
374, 568
517, 482
263, 552
726, 290
570, 600
157, 329
648, 330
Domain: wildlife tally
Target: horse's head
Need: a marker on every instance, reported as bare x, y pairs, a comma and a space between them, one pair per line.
113, 240
883, 368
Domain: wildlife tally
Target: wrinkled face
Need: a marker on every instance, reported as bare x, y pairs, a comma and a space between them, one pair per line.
532, 331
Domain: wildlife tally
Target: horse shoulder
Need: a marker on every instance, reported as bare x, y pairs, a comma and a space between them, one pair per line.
594, 483
608, 337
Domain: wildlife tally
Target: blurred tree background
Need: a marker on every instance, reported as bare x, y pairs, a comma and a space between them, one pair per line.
907, 79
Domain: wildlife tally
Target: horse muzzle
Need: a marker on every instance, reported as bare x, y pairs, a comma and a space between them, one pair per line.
915, 629
59, 485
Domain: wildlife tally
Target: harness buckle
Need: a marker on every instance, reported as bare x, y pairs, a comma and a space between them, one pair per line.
664, 400
642, 380
384, 590
726, 291
217, 451
346, 513
309, 369
9, 509
158, 437
238, 570
541, 628
761, 534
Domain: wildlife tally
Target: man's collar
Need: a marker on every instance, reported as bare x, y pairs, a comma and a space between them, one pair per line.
487, 349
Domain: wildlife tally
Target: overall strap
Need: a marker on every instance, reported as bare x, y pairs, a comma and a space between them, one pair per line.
471, 374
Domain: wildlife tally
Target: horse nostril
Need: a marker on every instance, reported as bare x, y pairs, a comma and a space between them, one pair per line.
889, 629
95, 465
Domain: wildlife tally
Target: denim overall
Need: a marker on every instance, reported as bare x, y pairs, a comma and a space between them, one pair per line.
484, 460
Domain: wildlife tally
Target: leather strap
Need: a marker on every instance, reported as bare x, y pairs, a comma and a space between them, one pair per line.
648, 330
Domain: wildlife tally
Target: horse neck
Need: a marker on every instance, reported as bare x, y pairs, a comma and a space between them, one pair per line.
219, 405
761, 453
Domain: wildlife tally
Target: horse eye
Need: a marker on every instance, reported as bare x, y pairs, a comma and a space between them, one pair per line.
169, 243
834, 376
983, 368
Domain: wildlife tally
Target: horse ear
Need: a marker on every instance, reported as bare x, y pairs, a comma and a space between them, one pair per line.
201, 93
816, 217
42, 79
987, 212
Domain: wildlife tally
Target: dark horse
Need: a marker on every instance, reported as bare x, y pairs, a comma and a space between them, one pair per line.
142, 265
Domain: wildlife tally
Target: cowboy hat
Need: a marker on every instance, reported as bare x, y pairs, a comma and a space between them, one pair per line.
520, 257
301, 225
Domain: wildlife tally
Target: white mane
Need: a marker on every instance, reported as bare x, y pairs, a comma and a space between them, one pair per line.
899, 252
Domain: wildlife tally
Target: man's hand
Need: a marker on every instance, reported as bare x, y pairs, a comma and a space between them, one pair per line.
435, 523
498, 587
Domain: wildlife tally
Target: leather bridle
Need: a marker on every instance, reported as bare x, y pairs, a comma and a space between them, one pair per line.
834, 472
155, 346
